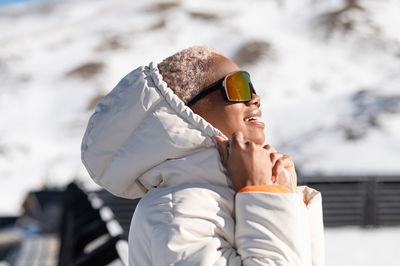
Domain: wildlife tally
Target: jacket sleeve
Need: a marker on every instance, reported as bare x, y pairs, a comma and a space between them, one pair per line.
279, 229
270, 229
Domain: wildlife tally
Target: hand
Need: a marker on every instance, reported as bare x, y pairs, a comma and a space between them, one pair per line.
280, 162
247, 163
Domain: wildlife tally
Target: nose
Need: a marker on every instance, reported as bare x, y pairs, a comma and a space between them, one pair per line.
255, 100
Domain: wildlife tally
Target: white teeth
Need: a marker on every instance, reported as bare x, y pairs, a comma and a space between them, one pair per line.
252, 118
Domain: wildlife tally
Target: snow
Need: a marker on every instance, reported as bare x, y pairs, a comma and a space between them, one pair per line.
352, 246
308, 82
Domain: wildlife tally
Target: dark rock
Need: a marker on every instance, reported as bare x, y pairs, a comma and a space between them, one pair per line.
354, 133
163, 6
371, 103
204, 16
112, 43
159, 25
87, 70
368, 106
345, 19
252, 52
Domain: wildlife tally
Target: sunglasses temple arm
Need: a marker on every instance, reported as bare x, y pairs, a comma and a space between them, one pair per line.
203, 94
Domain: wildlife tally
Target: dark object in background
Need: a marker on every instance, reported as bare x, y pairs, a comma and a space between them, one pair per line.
367, 201
7, 220
42, 209
90, 233
32, 234
9, 239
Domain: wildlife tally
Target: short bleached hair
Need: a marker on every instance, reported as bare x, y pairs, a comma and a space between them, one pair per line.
185, 72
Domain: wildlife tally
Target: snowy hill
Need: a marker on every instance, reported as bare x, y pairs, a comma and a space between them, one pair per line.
328, 73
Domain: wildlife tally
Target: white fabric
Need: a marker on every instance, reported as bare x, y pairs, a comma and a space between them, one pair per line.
143, 141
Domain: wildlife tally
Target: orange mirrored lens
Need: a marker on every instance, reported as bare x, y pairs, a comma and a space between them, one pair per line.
238, 87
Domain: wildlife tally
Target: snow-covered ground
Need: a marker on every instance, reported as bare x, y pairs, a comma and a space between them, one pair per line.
351, 246
328, 75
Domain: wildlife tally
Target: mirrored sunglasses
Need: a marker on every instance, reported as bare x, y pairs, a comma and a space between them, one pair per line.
237, 87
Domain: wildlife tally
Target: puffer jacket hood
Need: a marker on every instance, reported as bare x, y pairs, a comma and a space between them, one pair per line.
137, 127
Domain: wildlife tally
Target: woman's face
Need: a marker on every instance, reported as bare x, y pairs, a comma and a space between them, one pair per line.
230, 117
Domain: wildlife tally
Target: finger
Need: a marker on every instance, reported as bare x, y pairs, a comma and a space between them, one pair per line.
237, 140
274, 157
289, 166
220, 141
284, 180
284, 161
276, 169
270, 148
287, 161
251, 145
218, 138
222, 146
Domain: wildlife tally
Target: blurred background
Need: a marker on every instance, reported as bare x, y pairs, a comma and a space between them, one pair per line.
327, 71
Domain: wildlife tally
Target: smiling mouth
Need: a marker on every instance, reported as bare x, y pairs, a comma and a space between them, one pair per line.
255, 121
253, 118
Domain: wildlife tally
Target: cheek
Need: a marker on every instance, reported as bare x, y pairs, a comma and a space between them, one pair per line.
233, 118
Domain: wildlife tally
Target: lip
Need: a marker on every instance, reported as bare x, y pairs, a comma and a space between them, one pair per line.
253, 118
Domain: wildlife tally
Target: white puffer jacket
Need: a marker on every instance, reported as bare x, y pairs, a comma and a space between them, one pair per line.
143, 141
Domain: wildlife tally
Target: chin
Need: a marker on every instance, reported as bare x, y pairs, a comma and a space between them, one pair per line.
258, 136
259, 140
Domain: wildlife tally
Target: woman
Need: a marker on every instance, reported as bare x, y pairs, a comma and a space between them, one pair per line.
155, 136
